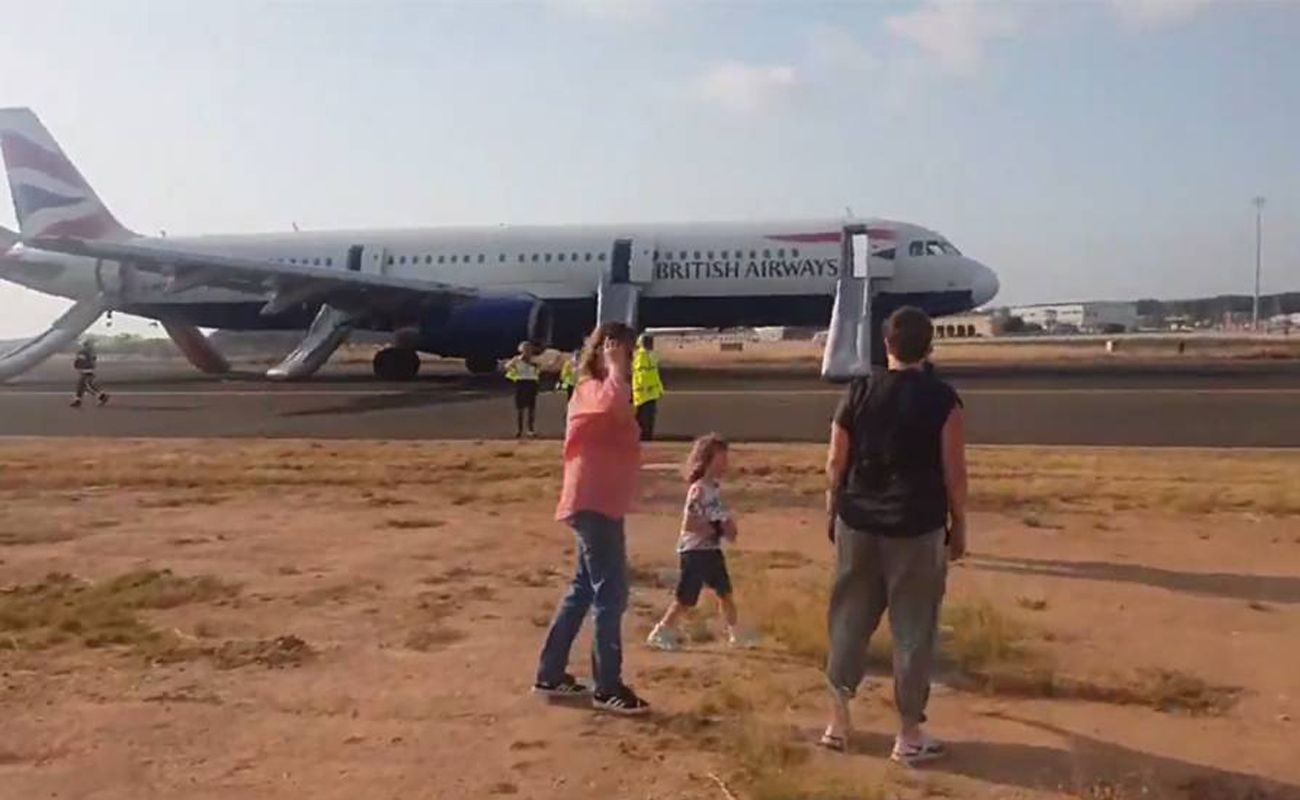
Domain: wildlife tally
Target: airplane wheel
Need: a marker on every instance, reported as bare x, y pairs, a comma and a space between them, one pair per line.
481, 365
396, 364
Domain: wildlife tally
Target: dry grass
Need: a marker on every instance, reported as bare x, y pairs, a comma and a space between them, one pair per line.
426, 640
62, 608
277, 653
413, 523
1032, 481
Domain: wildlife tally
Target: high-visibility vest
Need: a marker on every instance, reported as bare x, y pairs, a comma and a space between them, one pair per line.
568, 375
647, 386
520, 370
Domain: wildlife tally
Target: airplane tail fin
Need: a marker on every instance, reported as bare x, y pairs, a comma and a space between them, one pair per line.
50, 197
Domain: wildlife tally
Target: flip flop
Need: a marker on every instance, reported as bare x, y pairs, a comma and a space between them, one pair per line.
833, 742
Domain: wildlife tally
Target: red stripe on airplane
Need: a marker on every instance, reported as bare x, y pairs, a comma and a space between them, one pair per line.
96, 226
20, 152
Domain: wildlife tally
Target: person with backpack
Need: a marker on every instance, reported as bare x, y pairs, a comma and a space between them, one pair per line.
897, 515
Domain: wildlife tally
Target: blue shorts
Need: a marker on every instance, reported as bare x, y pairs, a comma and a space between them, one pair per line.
702, 568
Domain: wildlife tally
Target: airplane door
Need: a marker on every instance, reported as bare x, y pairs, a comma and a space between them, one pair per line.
620, 262
642, 267
354, 258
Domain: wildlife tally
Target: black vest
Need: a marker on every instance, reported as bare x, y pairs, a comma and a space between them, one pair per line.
895, 484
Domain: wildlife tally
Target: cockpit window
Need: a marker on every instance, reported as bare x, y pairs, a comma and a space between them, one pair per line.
934, 247
886, 254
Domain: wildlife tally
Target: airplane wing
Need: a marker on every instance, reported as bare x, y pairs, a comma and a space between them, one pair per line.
290, 284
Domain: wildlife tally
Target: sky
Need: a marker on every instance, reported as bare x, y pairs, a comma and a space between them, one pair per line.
1084, 149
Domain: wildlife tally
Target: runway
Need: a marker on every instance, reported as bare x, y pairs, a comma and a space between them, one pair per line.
1233, 404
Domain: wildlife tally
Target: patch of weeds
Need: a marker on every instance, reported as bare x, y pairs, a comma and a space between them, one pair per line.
1171, 690
1032, 603
1256, 605
277, 653
35, 536
791, 613
979, 638
387, 501
413, 523
427, 640
63, 608
1038, 523
335, 593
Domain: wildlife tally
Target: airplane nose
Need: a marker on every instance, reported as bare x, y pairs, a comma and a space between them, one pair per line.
985, 285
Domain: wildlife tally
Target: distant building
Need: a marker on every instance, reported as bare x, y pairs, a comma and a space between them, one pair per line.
1087, 317
964, 326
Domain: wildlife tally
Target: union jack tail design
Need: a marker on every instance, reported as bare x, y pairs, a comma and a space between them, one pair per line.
51, 199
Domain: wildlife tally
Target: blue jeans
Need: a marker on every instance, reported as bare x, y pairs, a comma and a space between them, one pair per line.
600, 585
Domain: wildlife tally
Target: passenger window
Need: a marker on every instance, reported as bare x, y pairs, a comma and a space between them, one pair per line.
697, 255
480, 258
780, 253
916, 249
710, 255
683, 255
390, 260
548, 258
600, 257
586, 257
501, 258
522, 258
767, 254
575, 256
560, 257
794, 252
753, 254
534, 258
329, 262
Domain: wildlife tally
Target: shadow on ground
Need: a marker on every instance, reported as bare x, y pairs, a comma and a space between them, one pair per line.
1266, 588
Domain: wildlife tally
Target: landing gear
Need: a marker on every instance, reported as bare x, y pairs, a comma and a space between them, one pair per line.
396, 364
481, 365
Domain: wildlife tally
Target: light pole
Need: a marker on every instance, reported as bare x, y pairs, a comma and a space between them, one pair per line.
1259, 246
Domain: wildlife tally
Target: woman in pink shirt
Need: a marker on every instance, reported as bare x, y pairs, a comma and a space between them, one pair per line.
602, 460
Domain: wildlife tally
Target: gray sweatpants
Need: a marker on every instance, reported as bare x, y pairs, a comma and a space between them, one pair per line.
904, 575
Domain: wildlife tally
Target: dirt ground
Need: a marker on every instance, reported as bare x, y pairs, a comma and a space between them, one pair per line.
296, 619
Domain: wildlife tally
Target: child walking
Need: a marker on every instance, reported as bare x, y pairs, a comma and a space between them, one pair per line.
705, 524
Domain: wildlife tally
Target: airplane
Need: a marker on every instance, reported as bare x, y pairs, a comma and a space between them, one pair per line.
466, 292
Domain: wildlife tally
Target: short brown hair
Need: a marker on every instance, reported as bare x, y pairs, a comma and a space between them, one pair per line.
703, 451
591, 363
909, 334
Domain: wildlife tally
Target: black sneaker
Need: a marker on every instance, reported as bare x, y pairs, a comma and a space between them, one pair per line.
624, 701
568, 686
103, 399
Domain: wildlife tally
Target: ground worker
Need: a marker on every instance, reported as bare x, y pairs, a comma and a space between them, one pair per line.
568, 376
84, 363
647, 386
524, 371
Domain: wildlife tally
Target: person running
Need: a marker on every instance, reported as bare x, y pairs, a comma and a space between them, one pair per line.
526, 373
647, 386
85, 362
602, 460
897, 501
706, 524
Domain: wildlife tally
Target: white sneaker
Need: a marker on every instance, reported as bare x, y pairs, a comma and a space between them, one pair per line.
919, 752
742, 640
662, 638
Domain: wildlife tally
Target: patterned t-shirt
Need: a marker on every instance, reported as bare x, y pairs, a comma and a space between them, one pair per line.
702, 517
